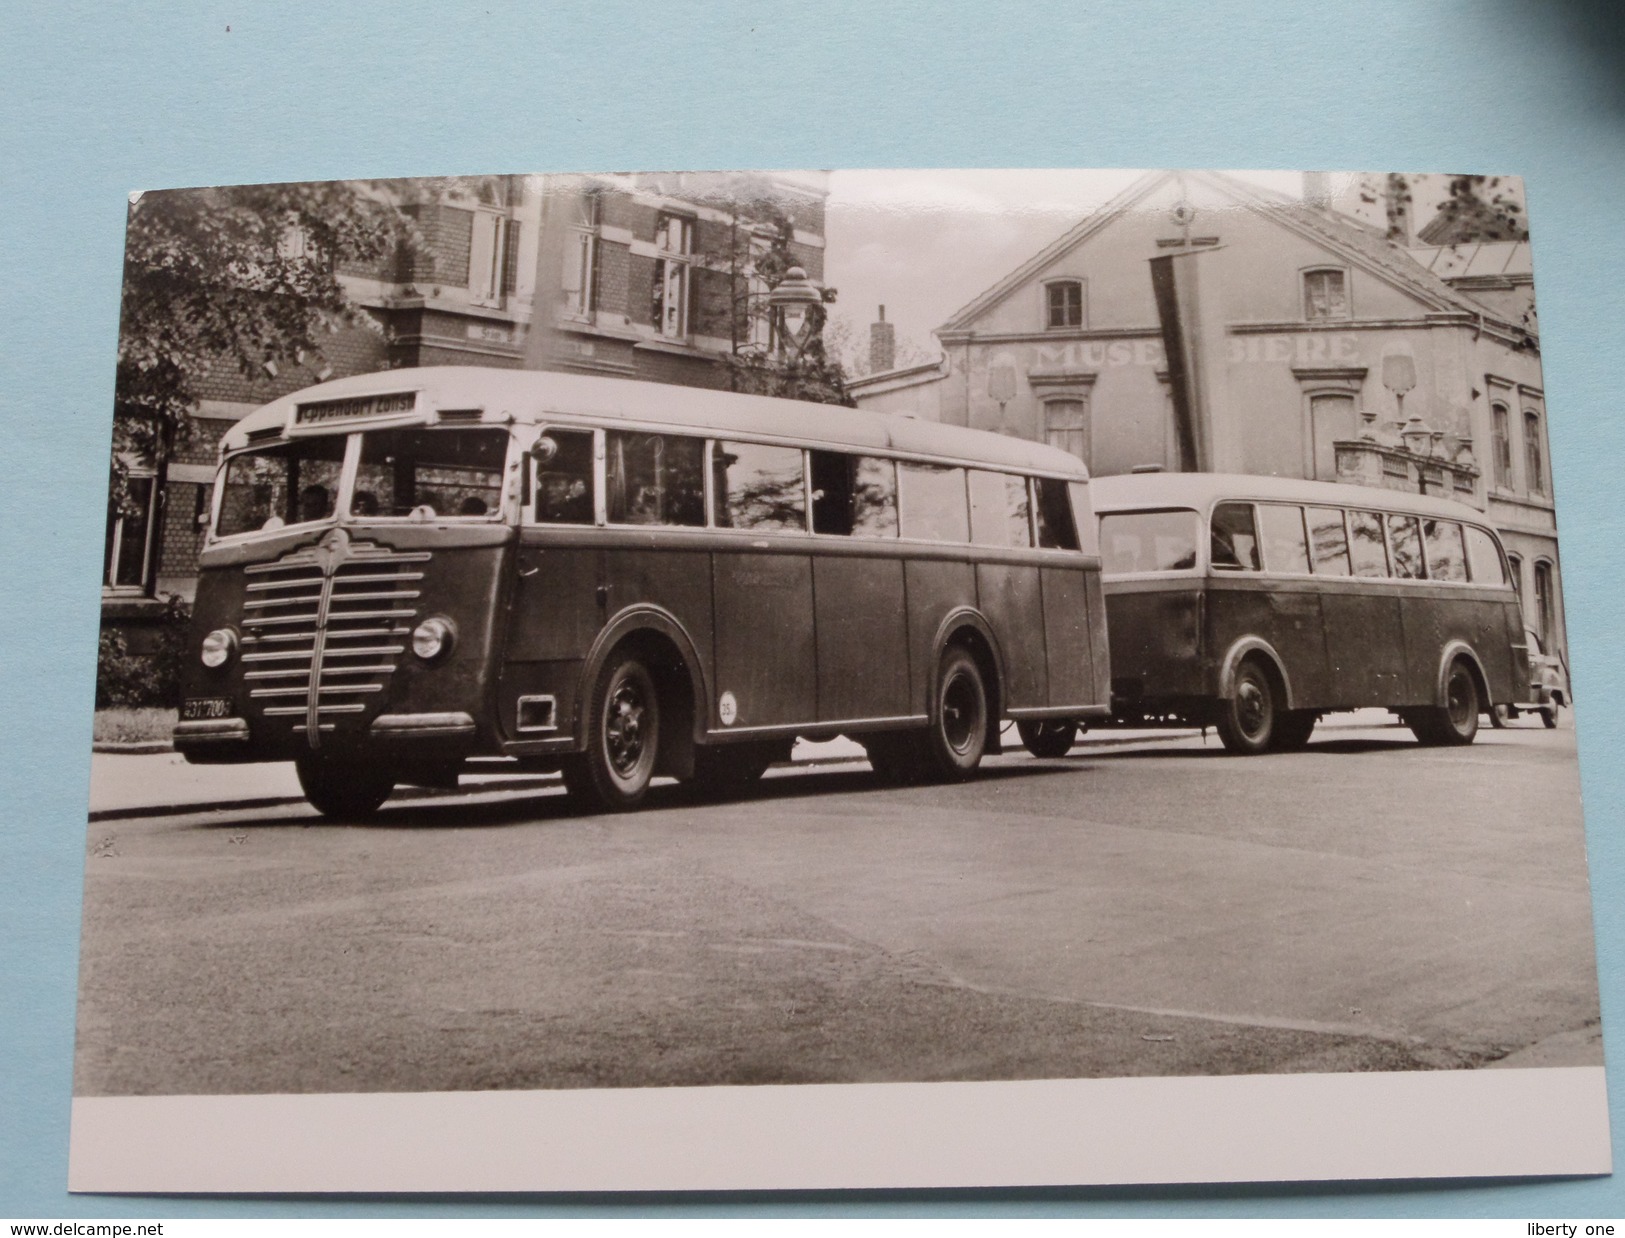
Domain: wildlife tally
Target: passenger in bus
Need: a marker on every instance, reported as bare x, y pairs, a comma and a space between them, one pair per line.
314, 503
365, 503
473, 505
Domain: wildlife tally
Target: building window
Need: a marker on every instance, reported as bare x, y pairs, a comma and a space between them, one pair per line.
1325, 294
1066, 425
1064, 302
127, 556
1534, 458
1501, 432
581, 257
674, 239
491, 254
1543, 603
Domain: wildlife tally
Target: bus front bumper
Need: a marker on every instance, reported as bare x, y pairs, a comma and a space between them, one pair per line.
220, 735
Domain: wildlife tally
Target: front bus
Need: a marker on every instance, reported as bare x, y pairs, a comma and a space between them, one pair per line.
348, 593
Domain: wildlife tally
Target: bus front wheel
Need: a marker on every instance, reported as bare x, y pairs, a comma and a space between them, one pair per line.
1454, 722
1048, 739
957, 735
623, 738
343, 790
1247, 720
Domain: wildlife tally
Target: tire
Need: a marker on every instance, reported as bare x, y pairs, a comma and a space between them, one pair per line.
1498, 716
1247, 720
957, 735
1456, 721
623, 739
1292, 730
1548, 717
343, 790
1048, 739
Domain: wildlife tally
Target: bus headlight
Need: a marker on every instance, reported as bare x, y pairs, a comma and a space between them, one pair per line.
219, 647
433, 638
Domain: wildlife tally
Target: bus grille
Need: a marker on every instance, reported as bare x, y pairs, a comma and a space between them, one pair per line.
324, 628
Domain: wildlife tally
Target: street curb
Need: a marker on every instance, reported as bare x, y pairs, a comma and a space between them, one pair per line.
133, 747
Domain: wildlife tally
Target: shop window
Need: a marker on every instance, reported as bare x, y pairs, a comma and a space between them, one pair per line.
1534, 457
127, 555
674, 239
1325, 294
1066, 425
1501, 445
1064, 304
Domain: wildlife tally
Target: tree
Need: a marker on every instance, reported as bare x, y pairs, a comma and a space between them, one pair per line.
237, 276
1479, 208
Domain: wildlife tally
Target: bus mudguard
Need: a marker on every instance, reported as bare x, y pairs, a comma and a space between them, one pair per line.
644, 618
1453, 650
965, 617
1233, 658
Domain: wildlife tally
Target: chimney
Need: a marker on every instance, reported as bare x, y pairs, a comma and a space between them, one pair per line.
882, 345
1317, 190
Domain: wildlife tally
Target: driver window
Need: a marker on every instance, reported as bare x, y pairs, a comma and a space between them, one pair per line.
563, 478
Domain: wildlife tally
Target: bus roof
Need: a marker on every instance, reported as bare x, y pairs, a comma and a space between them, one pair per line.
1130, 491
534, 396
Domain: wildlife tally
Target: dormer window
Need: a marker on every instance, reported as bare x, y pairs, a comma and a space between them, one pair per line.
1064, 304
1325, 294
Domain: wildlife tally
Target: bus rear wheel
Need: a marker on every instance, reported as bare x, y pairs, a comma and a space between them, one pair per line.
1053, 738
1247, 720
623, 738
1454, 722
957, 736
343, 790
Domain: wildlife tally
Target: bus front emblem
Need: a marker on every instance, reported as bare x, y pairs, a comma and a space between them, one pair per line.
727, 708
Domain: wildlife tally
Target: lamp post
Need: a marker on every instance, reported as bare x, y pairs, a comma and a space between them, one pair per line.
1420, 440
795, 308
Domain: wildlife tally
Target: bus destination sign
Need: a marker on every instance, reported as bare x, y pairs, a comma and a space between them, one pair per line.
359, 406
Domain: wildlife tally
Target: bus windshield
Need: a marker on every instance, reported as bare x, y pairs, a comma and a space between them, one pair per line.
430, 473
1163, 541
293, 483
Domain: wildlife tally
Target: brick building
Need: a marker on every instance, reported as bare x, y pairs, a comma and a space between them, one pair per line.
648, 276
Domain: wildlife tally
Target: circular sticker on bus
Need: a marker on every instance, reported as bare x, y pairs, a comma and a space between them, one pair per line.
727, 708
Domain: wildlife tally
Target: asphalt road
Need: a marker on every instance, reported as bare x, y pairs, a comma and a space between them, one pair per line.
1151, 907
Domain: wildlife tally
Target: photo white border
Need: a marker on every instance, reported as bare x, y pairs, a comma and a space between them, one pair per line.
1236, 1128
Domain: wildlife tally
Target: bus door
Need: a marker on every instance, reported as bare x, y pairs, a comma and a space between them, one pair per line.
557, 602
766, 655
1365, 639
862, 627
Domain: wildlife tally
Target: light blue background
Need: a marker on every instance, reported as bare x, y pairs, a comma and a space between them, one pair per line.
100, 99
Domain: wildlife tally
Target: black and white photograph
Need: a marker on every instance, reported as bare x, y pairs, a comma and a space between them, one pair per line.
686, 638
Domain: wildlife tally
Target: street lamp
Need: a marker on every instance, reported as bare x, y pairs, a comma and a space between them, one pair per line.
791, 305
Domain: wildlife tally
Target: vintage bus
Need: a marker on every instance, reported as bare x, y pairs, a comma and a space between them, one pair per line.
409, 570
1256, 605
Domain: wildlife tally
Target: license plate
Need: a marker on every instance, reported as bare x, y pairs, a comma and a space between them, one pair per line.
200, 708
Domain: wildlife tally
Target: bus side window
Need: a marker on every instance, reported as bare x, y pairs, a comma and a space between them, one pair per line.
1234, 544
932, 502
1054, 509
1365, 540
1328, 541
1484, 558
1406, 540
853, 496
1285, 548
998, 510
1447, 557
755, 486
654, 478
563, 486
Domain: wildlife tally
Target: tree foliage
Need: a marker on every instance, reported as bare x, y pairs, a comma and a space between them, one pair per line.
231, 276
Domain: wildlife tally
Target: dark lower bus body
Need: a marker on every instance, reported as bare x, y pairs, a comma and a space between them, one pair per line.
1262, 659
382, 654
